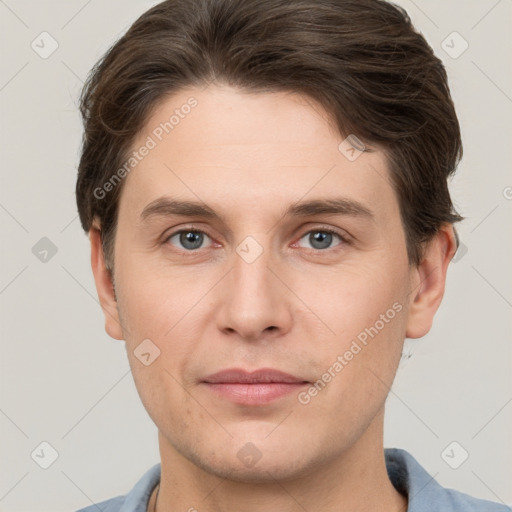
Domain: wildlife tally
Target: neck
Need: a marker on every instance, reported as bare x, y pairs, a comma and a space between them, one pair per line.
355, 480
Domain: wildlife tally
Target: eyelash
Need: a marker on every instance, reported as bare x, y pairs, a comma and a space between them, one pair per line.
344, 239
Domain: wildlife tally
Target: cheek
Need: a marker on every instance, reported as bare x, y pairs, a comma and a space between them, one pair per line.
357, 370
162, 395
162, 314
365, 310
156, 298
353, 298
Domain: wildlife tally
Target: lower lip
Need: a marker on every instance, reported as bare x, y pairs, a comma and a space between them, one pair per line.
254, 394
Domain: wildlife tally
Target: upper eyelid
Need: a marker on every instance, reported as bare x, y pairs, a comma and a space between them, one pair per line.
201, 230
174, 231
166, 236
327, 229
344, 237
343, 234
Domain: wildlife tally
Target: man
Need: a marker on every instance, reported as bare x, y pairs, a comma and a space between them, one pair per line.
264, 185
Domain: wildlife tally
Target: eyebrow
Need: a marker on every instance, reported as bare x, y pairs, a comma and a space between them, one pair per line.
333, 206
166, 207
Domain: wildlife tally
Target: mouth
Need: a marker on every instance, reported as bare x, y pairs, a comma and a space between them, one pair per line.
258, 387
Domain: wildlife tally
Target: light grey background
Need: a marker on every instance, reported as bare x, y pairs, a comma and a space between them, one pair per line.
64, 381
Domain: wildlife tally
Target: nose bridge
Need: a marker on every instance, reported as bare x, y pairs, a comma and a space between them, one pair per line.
251, 276
253, 300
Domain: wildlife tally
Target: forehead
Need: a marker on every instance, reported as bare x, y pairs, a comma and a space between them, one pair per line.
233, 148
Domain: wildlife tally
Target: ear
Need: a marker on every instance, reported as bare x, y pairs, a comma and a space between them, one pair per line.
428, 281
104, 285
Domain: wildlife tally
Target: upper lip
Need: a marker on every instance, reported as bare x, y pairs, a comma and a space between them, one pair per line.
262, 375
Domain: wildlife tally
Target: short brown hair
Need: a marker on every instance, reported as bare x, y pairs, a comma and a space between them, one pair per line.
362, 60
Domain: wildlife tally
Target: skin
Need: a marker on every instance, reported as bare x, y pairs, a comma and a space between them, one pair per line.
295, 308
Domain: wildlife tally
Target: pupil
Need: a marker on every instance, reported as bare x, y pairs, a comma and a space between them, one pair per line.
191, 240
322, 240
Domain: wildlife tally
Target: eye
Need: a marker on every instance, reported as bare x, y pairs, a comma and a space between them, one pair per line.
187, 239
320, 239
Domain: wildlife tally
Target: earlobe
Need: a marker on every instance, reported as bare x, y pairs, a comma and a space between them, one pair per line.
104, 286
429, 282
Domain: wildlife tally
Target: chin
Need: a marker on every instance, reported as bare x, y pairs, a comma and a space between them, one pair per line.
256, 463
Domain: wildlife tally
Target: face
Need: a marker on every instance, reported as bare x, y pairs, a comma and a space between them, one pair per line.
247, 240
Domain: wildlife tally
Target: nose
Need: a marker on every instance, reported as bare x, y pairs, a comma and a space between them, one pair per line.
254, 304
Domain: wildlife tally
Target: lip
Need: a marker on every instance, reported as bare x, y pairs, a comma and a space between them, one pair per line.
260, 376
258, 387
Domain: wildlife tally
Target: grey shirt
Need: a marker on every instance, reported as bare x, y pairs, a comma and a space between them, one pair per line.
405, 472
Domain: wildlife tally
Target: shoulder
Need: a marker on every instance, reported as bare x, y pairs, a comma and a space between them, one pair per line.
111, 505
135, 501
425, 494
